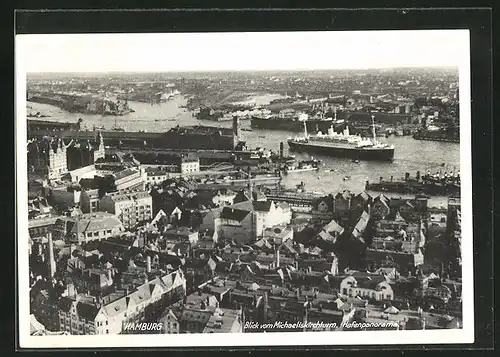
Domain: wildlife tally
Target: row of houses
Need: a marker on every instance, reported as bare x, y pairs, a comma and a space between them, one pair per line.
346, 205
89, 315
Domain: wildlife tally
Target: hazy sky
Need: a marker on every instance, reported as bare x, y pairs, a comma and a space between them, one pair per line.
240, 51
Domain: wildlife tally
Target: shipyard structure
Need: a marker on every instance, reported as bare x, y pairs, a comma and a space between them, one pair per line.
196, 137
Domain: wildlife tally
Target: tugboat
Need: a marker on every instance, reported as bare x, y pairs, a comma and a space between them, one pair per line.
303, 166
343, 145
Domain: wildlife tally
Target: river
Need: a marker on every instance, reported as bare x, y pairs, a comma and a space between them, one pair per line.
410, 155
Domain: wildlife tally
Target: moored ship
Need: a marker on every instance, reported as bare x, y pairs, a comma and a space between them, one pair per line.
271, 122
438, 184
343, 145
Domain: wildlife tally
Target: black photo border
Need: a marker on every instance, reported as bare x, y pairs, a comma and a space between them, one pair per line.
477, 20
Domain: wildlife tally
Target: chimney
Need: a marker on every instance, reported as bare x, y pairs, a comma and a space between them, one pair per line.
51, 262
148, 264
282, 149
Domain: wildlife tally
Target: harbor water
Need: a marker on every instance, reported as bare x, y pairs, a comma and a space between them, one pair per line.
335, 174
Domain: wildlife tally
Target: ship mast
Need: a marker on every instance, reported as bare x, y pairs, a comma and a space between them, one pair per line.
305, 128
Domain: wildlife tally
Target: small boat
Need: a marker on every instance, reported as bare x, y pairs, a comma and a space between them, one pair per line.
245, 129
347, 178
303, 166
355, 161
262, 136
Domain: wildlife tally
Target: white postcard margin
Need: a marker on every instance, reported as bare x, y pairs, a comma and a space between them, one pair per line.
337, 338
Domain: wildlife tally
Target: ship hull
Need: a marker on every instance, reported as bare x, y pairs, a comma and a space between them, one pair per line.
351, 153
415, 188
293, 125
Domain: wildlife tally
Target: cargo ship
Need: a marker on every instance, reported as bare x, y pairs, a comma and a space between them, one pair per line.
434, 185
274, 122
438, 135
343, 145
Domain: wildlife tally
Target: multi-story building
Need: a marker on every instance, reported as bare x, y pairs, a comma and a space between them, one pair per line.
367, 286
131, 206
190, 163
49, 157
130, 179
88, 315
87, 227
155, 176
89, 201
39, 227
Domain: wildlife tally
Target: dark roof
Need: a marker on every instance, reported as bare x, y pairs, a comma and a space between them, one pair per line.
241, 196
234, 214
65, 304
328, 200
365, 196
262, 206
86, 311
369, 282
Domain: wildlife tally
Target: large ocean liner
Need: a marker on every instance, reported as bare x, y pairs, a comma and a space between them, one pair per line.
343, 145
